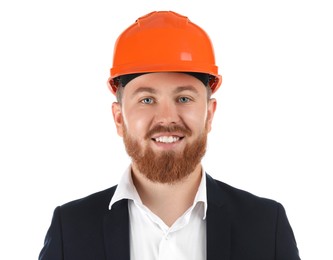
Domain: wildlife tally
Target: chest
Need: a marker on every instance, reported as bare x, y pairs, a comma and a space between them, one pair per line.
151, 239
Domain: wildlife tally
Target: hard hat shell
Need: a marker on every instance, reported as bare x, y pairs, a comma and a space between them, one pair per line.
164, 41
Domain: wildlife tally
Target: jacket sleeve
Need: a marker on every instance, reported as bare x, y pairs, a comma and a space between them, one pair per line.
53, 246
286, 247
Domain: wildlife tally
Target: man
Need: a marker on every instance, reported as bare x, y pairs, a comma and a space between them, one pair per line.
166, 206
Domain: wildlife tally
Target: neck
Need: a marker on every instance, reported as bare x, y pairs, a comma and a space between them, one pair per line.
167, 201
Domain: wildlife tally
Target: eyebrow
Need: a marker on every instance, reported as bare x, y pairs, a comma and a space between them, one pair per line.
185, 88
144, 89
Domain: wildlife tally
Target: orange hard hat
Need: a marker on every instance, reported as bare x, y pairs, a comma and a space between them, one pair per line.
163, 41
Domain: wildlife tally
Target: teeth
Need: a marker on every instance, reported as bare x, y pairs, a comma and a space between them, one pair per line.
167, 139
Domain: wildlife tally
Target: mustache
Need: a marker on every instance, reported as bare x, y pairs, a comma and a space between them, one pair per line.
168, 129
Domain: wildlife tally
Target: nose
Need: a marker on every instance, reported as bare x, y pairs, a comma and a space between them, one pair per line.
166, 113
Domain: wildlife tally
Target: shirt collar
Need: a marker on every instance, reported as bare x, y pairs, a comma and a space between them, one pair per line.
127, 190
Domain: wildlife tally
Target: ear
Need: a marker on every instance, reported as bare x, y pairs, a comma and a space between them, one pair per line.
117, 117
210, 113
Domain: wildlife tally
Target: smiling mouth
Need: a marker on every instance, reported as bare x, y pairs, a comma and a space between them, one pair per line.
167, 139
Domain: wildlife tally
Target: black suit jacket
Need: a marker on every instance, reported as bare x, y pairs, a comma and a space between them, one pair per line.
240, 226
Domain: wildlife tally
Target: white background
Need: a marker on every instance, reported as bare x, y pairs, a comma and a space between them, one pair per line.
272, 133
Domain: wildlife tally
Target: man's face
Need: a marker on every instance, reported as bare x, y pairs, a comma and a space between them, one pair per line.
164, 119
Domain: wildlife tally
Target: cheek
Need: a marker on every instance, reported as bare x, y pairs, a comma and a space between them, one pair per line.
137, 121
196, 117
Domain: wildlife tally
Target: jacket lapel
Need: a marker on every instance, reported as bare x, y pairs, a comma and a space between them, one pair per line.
218, 223
116, 232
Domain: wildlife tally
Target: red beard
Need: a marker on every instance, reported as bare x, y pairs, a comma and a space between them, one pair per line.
167, 167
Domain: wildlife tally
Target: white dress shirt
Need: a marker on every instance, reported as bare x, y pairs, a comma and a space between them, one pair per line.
152, 239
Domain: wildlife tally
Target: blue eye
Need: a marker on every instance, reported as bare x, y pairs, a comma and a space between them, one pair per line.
184, 100
147, 101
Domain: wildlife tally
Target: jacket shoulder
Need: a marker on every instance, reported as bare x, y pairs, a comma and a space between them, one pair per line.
76, 224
